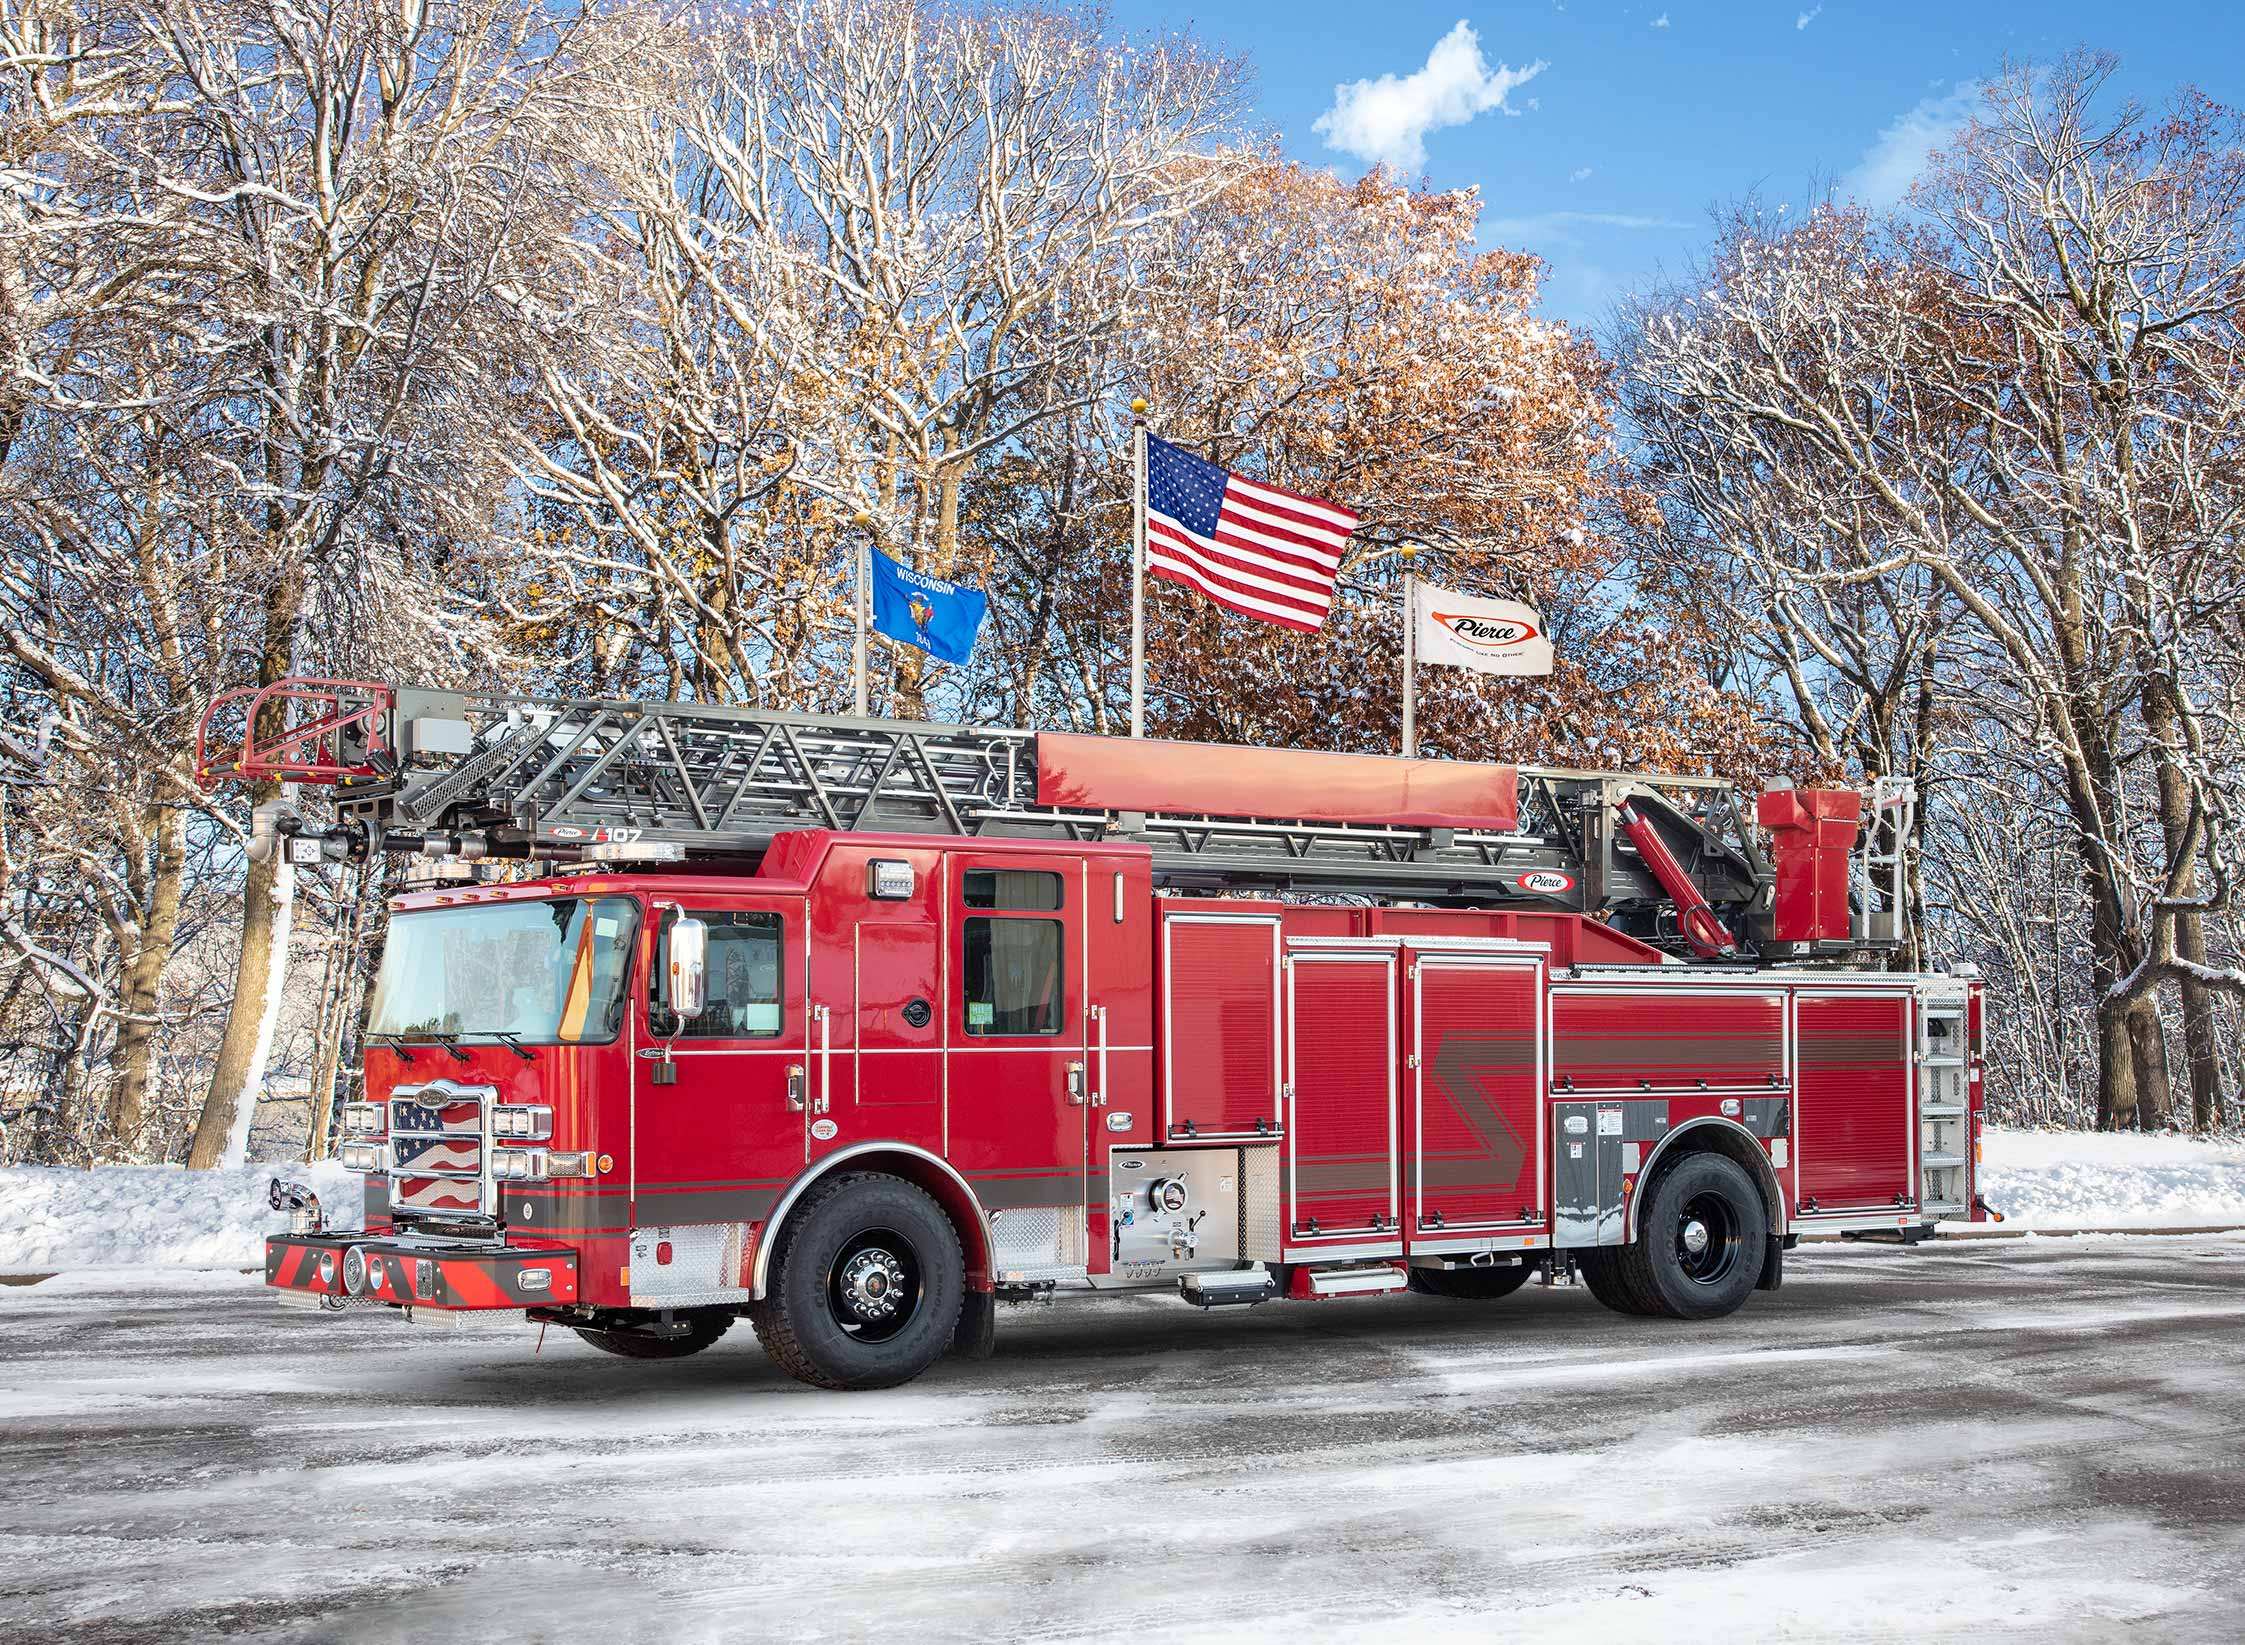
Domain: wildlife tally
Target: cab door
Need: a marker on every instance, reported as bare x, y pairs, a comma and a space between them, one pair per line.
720, 1101
1016, 1050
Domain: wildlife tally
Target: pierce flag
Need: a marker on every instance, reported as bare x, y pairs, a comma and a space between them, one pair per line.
939, 617
1494, 636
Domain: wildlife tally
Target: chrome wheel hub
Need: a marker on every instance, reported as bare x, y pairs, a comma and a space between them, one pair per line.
1695, 1236
872, 1284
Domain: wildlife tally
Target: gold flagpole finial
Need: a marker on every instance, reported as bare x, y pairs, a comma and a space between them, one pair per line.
1138, 408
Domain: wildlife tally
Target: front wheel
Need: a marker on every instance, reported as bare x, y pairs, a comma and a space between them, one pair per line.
865, 1285
700, 1330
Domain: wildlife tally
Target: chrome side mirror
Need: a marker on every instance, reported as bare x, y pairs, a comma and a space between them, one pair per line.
686, 980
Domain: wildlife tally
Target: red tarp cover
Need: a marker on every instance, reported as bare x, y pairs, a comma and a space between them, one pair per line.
1220, 780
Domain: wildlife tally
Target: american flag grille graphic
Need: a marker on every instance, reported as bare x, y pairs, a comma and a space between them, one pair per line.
437, 1193
1251, 548
436, 1150
437, 1154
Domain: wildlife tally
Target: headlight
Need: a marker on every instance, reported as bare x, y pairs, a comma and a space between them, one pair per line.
362, 1118
518, 1164
360, 1156
533, 1122
569, 1165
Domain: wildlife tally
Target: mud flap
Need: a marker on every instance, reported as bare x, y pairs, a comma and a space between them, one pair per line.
977, 1336
1773, 1264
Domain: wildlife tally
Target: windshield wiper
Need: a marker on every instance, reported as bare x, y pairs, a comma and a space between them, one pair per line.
510, 1039
399, 1043
396, 1042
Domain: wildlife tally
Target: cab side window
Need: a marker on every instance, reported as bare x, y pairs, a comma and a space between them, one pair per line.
1013, 967
746, 960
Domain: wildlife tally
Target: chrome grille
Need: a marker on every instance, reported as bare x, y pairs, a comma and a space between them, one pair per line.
440, 1148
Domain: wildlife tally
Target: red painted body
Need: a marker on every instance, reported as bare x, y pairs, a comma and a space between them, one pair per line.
1404, 1063
1812, 831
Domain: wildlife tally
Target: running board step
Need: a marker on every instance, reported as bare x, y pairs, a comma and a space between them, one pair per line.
1380, 1279
1227, 1290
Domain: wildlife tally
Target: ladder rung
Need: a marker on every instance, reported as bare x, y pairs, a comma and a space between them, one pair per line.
1942, 1162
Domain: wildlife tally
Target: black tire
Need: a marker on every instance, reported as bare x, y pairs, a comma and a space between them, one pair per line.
701, 1330
864, 1287
1700, 1244
1596, 1268
1470, 1284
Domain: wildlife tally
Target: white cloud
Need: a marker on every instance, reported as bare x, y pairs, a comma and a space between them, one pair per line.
1386, 120
1890, 165
1581, 174
1808, 17
1561, 229
1661, 21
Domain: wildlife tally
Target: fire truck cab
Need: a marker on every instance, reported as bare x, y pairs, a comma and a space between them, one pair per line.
1334, 1032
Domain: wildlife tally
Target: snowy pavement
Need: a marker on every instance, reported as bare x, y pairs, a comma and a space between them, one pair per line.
2032, 1440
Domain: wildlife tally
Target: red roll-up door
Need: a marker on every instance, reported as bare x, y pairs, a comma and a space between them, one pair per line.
1341, 1068
1220, 1025
1477, 1094
1853, 1114
1667, 1039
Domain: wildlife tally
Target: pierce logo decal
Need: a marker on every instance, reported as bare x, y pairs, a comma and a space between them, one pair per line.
1487, 634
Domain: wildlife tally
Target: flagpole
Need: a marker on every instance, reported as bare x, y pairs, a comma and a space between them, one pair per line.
1138, 568
1410, 552
861, 571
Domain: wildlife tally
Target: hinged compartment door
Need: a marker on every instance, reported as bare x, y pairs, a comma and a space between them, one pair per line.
1341, 1076
1477, 1157
1853, 1115
1220, 1027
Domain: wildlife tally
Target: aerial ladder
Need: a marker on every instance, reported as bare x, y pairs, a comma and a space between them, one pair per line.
1675, 860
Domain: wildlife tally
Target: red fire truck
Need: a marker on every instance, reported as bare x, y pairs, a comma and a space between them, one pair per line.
857, 1027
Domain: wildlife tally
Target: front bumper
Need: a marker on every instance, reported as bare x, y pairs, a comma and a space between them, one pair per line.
421, 1273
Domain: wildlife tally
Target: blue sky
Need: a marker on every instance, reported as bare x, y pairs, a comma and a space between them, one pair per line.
1605, 160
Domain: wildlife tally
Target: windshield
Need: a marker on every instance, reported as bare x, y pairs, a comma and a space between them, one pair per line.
540, 971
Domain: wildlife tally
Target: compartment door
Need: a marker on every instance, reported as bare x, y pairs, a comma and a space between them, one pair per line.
1852, 1112
1341, 1086
1220, 1025
1477, 1079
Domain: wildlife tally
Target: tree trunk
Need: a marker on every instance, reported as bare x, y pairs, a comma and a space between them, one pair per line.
2116, 1074
135, 1053
2201, 1042
2147, 1042
268, 904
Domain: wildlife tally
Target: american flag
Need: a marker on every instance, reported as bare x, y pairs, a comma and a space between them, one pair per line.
1250, 547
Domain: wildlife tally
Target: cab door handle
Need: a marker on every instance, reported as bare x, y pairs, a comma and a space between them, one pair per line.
1076, 1084
798, 1082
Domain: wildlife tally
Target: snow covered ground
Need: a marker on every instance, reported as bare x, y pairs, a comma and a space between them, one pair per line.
2023, 1440
127, 1216
2077, 1179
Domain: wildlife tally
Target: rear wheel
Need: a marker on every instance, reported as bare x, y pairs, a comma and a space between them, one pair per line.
865, 1285
1700, 1243
1470, 1284
700, 1330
